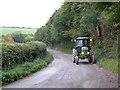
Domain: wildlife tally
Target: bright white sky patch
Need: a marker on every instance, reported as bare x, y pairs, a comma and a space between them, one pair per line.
27, 13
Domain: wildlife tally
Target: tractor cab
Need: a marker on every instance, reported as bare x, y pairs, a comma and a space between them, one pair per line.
82, 43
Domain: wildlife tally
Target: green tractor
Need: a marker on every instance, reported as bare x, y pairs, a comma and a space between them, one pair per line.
83, 50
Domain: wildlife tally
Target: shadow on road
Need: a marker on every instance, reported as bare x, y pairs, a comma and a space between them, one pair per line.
85, 63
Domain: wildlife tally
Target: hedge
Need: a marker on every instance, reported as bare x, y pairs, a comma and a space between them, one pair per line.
14, 53
23, 70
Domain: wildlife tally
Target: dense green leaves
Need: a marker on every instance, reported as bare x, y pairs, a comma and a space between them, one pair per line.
23, 70
68, 22
29, 38
75, 19
18, 37
13, 54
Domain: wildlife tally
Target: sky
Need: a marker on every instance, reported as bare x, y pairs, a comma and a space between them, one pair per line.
27, 13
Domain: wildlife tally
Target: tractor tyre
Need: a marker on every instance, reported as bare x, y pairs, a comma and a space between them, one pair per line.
74, 60
77, 61
91, 59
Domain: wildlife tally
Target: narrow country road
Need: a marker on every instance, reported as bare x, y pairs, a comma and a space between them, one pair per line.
62, 73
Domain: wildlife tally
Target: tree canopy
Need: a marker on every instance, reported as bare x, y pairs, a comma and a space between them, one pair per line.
75, 19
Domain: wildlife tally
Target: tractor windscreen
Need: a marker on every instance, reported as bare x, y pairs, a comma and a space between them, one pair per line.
81, 43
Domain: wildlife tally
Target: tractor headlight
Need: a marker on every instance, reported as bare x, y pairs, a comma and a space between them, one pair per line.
88, 52
82, 52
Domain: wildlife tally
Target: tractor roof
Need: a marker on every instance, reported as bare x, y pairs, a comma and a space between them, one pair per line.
82, 37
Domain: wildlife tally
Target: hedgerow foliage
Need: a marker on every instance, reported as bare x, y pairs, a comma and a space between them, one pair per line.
14, 53
23, 70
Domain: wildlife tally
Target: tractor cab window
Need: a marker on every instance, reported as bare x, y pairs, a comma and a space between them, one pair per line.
81, 43
86, 43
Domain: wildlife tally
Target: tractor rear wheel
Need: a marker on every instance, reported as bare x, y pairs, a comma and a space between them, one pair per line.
77, 61
91, 59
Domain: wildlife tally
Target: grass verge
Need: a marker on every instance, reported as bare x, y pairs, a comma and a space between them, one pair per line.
109, 64
25, 69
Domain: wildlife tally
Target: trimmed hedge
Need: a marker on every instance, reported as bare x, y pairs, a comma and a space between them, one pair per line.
14, 53
23, 70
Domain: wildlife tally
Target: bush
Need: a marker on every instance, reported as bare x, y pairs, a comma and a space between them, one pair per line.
29, 38
14, 54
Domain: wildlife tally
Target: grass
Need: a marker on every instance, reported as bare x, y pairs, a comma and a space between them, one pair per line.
109, 64
107, 58
23, 70
6, 31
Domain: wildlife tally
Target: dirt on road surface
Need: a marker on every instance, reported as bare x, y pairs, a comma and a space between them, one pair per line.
63, 73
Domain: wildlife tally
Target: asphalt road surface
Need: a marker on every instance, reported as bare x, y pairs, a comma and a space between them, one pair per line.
63, 73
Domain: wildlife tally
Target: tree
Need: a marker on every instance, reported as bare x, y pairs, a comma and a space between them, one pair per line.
7, 38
